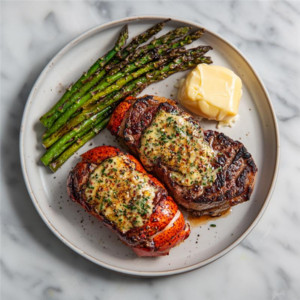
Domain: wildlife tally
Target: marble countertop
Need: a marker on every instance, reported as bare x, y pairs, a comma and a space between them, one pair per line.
36, 265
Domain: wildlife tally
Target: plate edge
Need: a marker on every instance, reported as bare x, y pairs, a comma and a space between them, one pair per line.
73, 42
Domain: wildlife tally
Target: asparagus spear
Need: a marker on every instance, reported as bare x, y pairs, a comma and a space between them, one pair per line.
72, 136
170, 36
104, 88
91, 78
155, 76
110, 100
152, 54
94, 78
141, 38
114, 97
100, 63
91, 81
77, 145
161, 49
163, 40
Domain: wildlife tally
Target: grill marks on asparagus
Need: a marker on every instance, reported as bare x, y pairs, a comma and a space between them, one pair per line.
80, 115
140, 39
156, 47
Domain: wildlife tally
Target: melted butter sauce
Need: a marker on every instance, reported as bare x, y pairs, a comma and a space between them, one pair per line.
120, 193
198, 221
179, 143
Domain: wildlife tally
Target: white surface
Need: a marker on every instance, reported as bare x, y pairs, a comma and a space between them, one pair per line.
255, 128
36, 265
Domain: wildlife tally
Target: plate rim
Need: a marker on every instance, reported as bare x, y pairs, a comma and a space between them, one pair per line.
72, 43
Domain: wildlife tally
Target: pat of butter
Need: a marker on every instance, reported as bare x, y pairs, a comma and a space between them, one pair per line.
213, 92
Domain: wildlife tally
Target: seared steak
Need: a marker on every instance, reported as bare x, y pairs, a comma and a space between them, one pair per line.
205, 171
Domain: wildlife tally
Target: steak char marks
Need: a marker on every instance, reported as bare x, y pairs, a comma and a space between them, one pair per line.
234, 166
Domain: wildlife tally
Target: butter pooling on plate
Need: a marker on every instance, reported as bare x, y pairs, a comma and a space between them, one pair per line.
212, 92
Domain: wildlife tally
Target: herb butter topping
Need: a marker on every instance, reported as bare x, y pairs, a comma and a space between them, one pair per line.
178, 143
121, 193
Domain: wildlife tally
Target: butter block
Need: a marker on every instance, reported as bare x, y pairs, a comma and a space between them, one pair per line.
212, 92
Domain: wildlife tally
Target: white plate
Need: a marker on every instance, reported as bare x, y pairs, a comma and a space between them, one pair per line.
256, 128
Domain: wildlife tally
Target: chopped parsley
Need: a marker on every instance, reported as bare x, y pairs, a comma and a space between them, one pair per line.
178, 142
